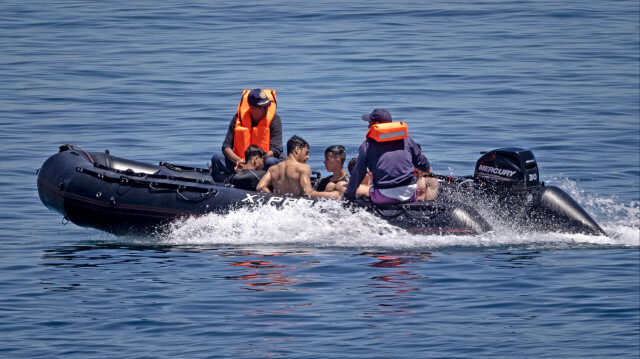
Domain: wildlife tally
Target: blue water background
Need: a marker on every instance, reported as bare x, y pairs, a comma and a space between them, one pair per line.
159, 81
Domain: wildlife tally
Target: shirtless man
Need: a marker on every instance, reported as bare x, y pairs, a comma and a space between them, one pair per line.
293, 176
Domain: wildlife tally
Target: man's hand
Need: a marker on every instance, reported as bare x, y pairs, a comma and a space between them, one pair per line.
334, 195
239, 165
265, 182
419, 173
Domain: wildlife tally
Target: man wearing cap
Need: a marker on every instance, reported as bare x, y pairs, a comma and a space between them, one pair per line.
391, 156
255, 123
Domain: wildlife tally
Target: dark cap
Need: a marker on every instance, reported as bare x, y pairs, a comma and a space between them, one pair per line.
378, 115
257, 98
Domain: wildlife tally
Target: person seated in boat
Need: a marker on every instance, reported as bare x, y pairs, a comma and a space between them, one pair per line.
255, 123
293, 176
391, 156
430, 182
334, 157
251, 171
365, 185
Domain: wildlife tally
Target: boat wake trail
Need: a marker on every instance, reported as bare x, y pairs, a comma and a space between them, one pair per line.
324, 224
327, 225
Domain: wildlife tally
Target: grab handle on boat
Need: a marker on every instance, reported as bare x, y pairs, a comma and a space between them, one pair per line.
389, 214
464, 183
210, 192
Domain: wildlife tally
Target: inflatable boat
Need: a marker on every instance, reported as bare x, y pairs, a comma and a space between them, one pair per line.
122, 196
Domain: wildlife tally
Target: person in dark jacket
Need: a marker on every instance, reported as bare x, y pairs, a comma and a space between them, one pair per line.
252, 170
391, 156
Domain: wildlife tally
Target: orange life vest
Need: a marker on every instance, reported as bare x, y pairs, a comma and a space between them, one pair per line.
389, 131
245, 134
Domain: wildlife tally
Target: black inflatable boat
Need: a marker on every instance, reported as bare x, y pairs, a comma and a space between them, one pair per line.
122, 196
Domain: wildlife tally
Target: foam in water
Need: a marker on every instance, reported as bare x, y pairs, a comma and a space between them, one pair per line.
327, 224
621, 221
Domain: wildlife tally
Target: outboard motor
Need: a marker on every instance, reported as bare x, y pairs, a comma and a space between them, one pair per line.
507, 169
508, 181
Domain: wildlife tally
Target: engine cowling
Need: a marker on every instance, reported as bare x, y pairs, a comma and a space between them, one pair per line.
510, 168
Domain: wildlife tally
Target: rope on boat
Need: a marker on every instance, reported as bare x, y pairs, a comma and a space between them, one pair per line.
83, 151
202, 197
153, 182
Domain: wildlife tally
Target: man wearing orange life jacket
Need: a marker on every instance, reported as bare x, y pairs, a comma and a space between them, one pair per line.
255, 123
391, 156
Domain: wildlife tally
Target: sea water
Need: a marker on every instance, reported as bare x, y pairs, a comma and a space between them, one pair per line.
160, 81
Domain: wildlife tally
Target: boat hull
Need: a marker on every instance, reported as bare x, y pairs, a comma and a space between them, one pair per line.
122, 197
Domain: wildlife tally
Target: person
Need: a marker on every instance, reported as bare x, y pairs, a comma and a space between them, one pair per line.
255, 123
391, 156
292, 176
334, 157
252, 170
365, 185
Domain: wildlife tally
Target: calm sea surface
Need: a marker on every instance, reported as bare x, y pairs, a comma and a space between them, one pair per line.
159, 81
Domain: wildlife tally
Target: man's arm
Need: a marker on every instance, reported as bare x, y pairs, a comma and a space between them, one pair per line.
358, 173
341, 187
227, 145
305, 185
275, 129
418, 158
265, 182
228, 139
233, 157
321, 184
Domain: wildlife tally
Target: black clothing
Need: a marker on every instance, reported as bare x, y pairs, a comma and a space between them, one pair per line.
322, 183
246, 179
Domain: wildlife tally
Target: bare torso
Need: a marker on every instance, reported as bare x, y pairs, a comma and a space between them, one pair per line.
293, 177
285, 177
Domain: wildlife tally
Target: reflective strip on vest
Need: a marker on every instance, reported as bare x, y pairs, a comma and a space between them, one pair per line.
384, 136
390, 131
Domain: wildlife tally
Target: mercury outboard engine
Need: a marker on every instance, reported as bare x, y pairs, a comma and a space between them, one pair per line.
507, 169
507, 179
